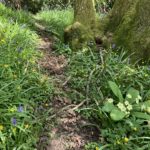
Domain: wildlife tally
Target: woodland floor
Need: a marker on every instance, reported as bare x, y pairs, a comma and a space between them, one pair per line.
68, 130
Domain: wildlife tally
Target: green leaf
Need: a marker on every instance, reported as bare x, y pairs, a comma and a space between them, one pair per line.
108, 107
134, 95
147, 103
117, 115
141, 115
115, 89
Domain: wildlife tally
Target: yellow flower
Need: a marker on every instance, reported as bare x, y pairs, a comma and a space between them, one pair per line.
135, 129
14, 130
6, 66
14, 76
118, 142
129, 96
3, 41
126, 140
33, 70
110, 100
1, 127
46, 104
18, 88
97, 148
26, 126
13, 109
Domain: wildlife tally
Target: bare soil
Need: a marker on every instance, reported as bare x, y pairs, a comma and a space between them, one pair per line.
69, 130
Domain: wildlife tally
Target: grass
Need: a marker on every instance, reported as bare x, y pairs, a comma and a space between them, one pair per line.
24, 90
56, 20
89, 72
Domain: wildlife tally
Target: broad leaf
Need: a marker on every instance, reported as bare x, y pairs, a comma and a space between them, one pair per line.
114, 87
108, 107
134, 95
117, 115
141, 115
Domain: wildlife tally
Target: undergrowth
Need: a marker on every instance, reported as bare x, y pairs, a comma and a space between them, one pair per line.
89, 75
24, 90
116, 94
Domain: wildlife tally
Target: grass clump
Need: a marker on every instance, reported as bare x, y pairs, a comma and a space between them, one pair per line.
56, 20
18, 16
90, 78
23, 89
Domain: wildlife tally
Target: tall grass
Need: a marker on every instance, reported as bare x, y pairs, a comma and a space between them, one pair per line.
56, 20
23, 88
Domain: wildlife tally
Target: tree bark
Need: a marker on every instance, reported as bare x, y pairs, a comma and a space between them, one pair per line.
129, 22
85, 13
81, 33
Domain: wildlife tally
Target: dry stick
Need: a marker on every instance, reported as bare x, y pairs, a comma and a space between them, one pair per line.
65, 108
68, 79
79, 105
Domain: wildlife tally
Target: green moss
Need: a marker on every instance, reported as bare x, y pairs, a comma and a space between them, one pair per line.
131, 27
84, 12
77, 36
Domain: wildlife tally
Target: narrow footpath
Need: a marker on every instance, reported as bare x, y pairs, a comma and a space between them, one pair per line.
69, 130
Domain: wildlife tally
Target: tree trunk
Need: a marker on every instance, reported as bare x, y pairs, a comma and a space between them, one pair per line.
81, 33
84, 12
129, 22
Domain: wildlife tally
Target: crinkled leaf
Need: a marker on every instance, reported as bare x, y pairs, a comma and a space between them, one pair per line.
115, 89
147, 103
117, 115
108, 107
134, 95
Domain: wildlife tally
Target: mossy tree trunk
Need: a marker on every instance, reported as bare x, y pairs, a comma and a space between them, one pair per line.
82, 32
129, 22
84, 12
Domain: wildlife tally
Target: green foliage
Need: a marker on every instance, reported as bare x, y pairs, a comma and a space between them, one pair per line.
35, 6
91, 146
23, 89
23, 18
126, 106
56, 20
95, 76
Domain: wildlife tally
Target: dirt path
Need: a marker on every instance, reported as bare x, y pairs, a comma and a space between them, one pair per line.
70, 131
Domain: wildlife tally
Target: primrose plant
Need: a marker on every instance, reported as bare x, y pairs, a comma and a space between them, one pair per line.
131, 105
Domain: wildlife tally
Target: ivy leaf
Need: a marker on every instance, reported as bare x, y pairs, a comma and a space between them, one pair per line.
108, 107
117, 115
115, 89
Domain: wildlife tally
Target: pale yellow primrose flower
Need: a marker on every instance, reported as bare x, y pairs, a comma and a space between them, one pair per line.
127, 103
137, 101
110, 100
129, 107
139, 97
129, 96
143, 107
121, 106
